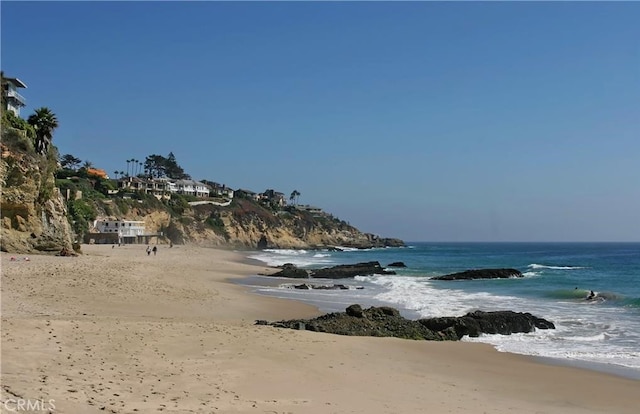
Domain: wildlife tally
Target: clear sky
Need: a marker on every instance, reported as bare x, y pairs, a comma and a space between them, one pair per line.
436, 121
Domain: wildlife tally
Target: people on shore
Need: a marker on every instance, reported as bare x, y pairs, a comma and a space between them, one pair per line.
155, 250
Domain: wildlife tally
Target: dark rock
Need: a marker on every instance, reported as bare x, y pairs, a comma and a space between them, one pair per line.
351, 270
307, 286
397, 264
390, 242
387, 321
262, 243
481, 274
500, 322
354, 310
291, 271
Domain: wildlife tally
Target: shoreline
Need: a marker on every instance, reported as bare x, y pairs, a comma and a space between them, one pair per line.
117, 330
612, 369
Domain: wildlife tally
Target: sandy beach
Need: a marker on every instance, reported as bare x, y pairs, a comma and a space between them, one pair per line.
118, 331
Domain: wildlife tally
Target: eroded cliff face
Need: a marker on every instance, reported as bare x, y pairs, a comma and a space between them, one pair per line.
34, 214
247, 224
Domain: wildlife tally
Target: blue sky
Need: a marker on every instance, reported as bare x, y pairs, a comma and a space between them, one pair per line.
439, 121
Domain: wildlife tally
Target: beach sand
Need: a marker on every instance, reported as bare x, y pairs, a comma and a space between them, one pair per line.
115, 330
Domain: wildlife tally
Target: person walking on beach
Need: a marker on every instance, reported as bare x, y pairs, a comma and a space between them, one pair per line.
155, 250
148, 250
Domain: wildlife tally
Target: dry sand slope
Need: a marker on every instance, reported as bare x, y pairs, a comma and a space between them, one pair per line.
118, 331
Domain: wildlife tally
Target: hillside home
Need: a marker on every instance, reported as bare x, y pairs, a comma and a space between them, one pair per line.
274, 197
127, 231
191, 187
309, 209
247, 193
13, 100
220, 190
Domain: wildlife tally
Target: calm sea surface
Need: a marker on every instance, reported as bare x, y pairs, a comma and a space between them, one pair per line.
558, 277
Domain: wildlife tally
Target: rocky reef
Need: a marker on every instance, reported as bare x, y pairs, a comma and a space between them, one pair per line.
481, 274
387, 321
335, 272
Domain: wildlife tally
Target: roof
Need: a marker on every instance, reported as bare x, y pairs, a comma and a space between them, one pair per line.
17, 82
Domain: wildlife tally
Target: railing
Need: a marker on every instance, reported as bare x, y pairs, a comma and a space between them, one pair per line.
13, 94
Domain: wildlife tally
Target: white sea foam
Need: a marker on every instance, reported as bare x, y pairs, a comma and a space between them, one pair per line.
531, 274
300, 258
286, 252
593, 334
419, 295
539, 266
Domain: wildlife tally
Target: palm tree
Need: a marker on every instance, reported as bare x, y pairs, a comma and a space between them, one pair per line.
44, 122
116, 172
128, 161
294, 196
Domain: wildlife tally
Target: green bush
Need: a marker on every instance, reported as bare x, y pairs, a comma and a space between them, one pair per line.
80, 215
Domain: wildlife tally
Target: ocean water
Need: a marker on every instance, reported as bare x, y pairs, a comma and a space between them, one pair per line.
557, 279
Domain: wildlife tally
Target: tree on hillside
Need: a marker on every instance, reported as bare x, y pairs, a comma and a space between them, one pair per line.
173, 170
294, 196
70, 162
158, 166
155, 165
87, 164
2, 83
44, 122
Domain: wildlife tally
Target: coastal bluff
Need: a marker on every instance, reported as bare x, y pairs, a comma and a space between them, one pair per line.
34, 213
37, 218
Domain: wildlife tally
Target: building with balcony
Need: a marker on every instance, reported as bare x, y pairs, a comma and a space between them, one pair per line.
191, 187
111, 230
12, 99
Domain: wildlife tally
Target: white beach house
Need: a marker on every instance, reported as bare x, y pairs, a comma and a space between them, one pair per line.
128, 231
191, 187
13, 100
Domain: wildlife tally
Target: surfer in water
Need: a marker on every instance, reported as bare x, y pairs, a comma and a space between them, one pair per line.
591, 296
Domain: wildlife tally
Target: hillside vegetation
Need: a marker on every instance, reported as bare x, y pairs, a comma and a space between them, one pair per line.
47, 208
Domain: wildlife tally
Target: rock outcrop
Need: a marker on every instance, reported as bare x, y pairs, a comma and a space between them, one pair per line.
334, 272
500, 322
387, 321
34, 214
481, 274
308, 286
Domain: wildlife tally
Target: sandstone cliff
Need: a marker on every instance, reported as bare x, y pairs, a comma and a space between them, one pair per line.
34, 215
244, 224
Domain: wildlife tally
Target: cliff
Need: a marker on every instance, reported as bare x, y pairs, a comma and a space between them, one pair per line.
34, 215
244, 224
